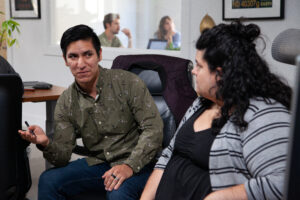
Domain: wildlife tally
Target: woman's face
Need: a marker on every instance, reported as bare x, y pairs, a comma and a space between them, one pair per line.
205, 79
168, 25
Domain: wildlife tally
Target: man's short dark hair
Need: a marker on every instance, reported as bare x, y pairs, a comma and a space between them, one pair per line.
79, 32
109, 18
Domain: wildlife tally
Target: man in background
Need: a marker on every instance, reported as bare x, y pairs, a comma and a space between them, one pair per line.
111, 25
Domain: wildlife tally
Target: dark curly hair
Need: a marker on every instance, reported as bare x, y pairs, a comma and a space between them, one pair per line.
244, 73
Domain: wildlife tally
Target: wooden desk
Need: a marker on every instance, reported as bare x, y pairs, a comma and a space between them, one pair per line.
49, 96
43, 95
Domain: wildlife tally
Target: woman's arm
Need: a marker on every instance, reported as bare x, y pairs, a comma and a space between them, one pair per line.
152, 184
237, 192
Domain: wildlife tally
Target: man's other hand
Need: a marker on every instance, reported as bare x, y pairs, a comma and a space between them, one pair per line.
114, 177
39, 136
126, 31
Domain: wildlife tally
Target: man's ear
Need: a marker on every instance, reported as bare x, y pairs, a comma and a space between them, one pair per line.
100, 54
107, 25
65, 60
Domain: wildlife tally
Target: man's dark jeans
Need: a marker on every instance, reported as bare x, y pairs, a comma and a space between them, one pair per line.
77, 176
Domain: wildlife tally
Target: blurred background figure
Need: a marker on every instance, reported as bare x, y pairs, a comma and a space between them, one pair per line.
166, 31
111, 25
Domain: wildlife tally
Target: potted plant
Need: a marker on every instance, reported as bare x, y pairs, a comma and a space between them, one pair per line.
8, 27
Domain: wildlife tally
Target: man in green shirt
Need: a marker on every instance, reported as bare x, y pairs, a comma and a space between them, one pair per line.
113, 112
111, 25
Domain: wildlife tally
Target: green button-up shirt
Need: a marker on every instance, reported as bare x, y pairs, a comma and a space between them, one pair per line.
115, 42
121, 126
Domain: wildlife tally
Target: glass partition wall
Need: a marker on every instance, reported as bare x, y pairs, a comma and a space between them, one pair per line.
142, 17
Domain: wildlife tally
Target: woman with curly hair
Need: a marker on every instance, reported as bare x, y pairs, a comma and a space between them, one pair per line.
232, 142
166, 31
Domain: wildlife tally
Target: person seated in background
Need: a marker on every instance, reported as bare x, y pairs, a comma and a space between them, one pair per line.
116, 117
166, 31
111, 25
232, 142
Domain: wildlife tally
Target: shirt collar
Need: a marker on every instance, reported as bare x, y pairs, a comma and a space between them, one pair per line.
99, 84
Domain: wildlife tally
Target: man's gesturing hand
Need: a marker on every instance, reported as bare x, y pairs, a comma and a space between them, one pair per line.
114, 177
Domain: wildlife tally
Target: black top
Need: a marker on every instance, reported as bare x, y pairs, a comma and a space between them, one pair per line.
186, 175
5, 67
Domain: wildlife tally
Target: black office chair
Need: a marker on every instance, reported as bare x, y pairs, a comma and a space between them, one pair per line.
286, 49
170, 84
15, 174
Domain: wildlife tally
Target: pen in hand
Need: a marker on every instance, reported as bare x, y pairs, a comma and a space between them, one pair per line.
31, 131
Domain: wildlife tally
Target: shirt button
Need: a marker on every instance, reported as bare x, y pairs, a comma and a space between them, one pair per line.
138, 168
100, 122
107, 153
95, 104
105, 136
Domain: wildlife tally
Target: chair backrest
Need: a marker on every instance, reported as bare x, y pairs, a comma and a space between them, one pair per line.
286, 46
169, 82
292, 179
175, 74
15, 176
286, 49
154, 84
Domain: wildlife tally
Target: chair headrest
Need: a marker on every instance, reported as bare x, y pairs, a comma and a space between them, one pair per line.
151, 79
286, 46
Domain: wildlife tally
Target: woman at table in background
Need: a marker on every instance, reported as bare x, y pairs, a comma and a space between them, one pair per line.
166, 31
232, 142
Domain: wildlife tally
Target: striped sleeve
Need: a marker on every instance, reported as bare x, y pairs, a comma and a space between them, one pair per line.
165, 155
265, 148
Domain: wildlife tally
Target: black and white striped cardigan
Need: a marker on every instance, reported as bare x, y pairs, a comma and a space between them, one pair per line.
255, 157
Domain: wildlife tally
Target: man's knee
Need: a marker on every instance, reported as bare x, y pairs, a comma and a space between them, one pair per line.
123, 193
49, 180
118, 194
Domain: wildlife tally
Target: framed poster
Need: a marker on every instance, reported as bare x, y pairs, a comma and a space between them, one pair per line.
25, 9
253, 9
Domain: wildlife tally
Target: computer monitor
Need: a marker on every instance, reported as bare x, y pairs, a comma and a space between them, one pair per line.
292, 180
157, 44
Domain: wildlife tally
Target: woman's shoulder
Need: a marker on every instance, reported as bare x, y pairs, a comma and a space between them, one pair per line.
259, 103
264, 109
177, 34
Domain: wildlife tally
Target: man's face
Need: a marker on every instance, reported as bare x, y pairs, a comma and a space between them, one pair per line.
83, 60
114, 27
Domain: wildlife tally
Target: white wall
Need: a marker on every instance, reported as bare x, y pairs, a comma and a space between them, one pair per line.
32, 63
269, 28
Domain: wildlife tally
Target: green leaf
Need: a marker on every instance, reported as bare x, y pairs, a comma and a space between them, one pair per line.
8, 27
12, 42
14, 22
18, 30
4, 25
